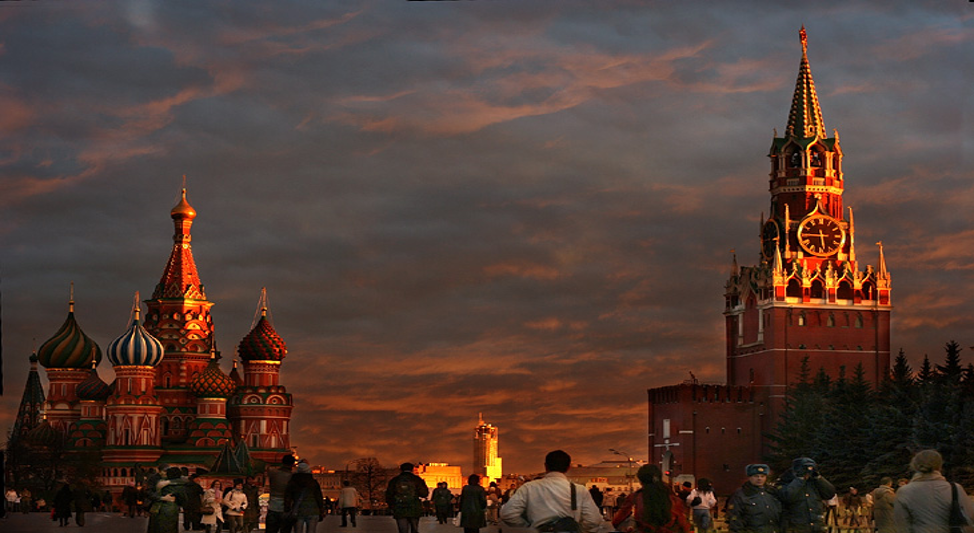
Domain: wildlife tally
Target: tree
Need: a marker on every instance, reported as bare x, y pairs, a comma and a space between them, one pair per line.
802, 418
370, 479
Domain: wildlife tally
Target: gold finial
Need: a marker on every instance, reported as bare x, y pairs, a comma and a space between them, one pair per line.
804, 37
71, 299
136, 308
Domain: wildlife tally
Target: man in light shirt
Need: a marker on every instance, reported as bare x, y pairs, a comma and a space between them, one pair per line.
542, 503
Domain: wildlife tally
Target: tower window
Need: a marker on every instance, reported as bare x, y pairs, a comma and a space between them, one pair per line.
830, 321
801, 319
858, 321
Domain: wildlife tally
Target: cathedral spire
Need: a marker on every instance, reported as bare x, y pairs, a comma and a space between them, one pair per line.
181, 279
805, 118
883, 273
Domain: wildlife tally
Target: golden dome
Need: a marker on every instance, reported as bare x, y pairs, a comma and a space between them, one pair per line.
183, 209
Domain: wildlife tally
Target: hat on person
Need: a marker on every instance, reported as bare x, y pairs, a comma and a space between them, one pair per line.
755, 469
802, 463
304, 468
927, 461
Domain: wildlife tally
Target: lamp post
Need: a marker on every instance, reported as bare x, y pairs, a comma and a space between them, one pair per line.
629, 471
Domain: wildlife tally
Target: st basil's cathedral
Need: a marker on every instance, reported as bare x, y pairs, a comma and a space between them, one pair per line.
170, 402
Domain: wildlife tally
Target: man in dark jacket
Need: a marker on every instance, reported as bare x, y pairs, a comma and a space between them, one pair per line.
754, 508
194, 502
803, 493
442, 501
404, 498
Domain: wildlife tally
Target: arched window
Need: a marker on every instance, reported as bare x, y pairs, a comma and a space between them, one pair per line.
858, 321
818, 289
794, 288
830, 321
801, 319
167, 380
844, 291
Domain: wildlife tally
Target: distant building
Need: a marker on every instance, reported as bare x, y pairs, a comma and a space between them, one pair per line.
808, 299
486, 462
433, 473
619, 476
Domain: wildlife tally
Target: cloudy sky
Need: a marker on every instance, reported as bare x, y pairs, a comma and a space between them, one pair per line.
524, 209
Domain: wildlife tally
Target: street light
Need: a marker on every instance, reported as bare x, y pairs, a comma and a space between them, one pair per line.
629, 459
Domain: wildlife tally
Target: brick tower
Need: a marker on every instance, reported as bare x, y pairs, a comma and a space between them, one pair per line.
179, 316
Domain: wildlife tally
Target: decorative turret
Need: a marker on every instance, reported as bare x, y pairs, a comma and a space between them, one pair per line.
45, 436
135, 347
91, 429
31, 404
69, 347
93, 388
261, 409
212, 387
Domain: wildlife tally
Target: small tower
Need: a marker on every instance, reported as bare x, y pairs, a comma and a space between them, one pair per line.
134, 409
261, 409
179, 316
212, 387
31, 404
67, 356
91, 429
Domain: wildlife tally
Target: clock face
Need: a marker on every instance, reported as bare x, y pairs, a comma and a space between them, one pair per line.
821, 235
770, 237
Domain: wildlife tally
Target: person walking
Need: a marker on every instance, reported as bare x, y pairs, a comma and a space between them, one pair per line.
702, 501
348, 502
654, 508
236, 503
278, 479
251, 516
62, 504
803, 494
303, 502
473, 506
82, 502
493, 503
553, 503
754, 508
853, 506
923, 505
403, 497
212, 520
883, 500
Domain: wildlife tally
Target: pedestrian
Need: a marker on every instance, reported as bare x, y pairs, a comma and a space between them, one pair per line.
251, 516
493, 503
803, 493
403, 497
473, 506
212, 508
754, 508
26, 499
883, 500
278, 479
130, 499
82, 502
654, 508
553, 503
62, 504
853, 505
303, 502
166, 500
924, 504
348, 502
702, 501
193, 504
10, 500
236, 503
597, 496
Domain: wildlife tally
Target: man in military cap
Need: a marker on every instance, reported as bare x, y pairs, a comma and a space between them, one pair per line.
803, 493
754, 508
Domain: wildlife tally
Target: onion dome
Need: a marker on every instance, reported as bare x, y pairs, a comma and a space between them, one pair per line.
136, 346
183, 210
69, 347
44, 435
93, 388
212, 382
262, 343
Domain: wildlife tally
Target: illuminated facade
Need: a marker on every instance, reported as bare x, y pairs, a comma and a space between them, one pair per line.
433, 473
808, 299
170, 401
486, 462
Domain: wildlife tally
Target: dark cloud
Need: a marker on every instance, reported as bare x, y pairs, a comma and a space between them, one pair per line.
520, 209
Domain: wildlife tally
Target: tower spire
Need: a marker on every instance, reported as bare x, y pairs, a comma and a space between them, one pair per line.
883, 274
805, 118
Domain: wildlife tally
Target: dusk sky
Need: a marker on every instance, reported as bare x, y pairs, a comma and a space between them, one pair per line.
524, 209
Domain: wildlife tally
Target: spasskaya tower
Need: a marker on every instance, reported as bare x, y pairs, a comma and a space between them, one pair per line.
809, 295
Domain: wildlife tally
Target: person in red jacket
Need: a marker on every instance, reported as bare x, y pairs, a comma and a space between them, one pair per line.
653, 508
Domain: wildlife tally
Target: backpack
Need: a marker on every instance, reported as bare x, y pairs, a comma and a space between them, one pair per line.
405, 498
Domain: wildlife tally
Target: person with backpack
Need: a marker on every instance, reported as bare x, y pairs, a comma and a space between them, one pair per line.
925, 504
654, 508
404, 495
702, 501
303, 502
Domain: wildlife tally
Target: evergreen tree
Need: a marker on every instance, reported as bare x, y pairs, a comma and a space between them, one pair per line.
950, 372
925, 375
801, 420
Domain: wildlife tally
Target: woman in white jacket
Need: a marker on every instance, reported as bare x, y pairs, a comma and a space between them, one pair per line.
702, 501
213, 498
236, 502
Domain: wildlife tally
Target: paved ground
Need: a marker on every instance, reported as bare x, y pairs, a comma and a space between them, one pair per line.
113, 523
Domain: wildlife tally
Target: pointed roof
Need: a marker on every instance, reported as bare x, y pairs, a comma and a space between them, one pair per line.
805, 118
228, 462
262, 343
29, 412
180, 278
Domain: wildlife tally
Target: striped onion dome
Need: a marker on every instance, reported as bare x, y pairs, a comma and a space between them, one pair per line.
262, 343
69, 347
93, 388
136, 346
44, 435
212, 382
